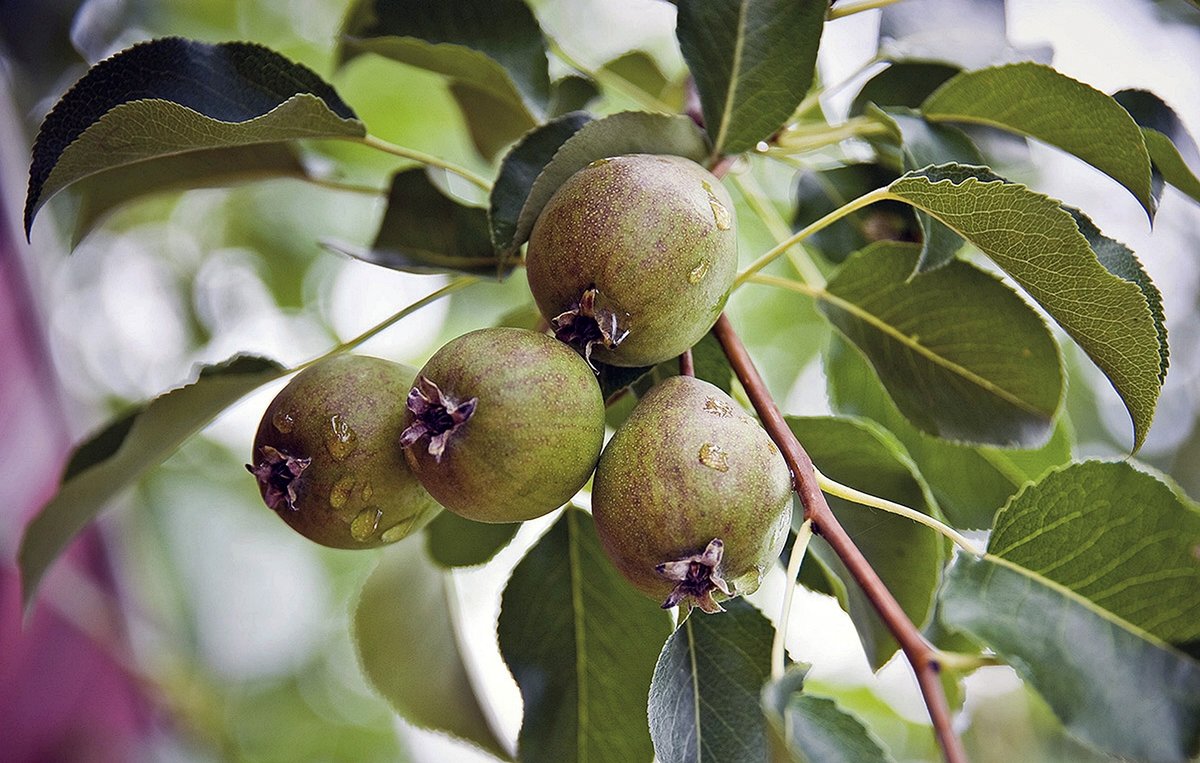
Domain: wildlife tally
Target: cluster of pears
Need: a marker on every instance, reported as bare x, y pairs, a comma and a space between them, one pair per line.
630, 262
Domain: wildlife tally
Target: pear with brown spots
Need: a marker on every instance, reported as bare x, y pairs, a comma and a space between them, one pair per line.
691, 498
632, 259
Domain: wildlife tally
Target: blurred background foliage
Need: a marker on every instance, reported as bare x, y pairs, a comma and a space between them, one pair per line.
231, 630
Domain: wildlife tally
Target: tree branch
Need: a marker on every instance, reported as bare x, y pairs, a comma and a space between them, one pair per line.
921, 655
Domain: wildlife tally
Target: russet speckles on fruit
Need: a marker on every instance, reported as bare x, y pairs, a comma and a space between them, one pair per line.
691, 498
504, 424
632, 258
327, 459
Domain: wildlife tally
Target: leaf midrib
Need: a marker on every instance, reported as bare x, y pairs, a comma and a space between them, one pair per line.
887, 329
581, 717
738, 46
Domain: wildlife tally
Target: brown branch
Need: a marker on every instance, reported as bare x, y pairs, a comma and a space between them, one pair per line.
687, 365
921, 655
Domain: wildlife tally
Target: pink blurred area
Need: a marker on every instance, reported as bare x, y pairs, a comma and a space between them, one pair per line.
64, 696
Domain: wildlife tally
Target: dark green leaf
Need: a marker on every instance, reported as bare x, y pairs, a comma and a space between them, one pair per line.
821, 192
1035, 100
518, 172
808, 729
1111, 684
753, 61
571, 93
425, 231
630, 132
961, 354
126, 449
907, 556
705, 697
710, 363
613, 379
581, 644
925, 143
106, 191
171, 96
1038, 243
453, 541
903, 83
1167, 139
492, 121
408, 647
1114, 535
969, 483
495, 45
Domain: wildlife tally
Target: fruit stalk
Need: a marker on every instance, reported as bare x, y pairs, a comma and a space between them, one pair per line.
921, 655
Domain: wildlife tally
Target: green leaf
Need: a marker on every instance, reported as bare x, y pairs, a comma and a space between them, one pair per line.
1166, 137
925, 143
1112, 685
1039, 244
969, 483
518, 172
454, 541
1035, 100
907, 556
820, 192
1114, 535
630, 132
172, 96
903, 83
127, 448
106, 191
581, 644
407, 645
494, 45
642, 71
492, 121
809, 729
572, 93
753, 61
613, 379
704, 699
425, 231
961, 354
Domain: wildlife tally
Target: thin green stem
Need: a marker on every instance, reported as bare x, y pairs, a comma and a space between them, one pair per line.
859, 7
966, 662
853, 206
809, 137
334, 185
758, 202
834, 488
427, 159
611, 80
458, 284
778, 646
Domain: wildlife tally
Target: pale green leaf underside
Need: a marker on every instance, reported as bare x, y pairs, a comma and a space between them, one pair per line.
809, 729
455, 61
960, 353
1038, 243
105, 465
1114, 535
1109, 683
1034, 99
581, 644
1170, 163
148, 129
407, 646
104, 192
705, 702
753, 62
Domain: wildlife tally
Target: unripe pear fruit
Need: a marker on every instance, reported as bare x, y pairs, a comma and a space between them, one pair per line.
328, 460
692, 499
504, 424
633, 257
